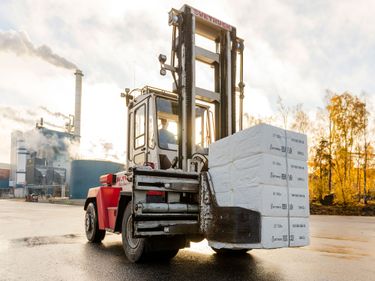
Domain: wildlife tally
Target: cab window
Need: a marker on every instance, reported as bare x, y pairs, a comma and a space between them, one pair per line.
167, 113
140, 127
167, 116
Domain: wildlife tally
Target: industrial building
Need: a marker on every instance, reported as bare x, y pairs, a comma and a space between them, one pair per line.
41, 162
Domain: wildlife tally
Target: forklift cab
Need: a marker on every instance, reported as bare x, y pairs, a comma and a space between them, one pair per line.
153, 130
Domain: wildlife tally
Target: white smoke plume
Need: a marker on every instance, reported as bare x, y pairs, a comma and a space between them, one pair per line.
29, 116
20, 43
11, 113
56, 114
44, 146
98, 149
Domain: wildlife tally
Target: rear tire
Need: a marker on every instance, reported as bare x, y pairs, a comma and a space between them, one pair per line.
230, 252
135, 248
93, 233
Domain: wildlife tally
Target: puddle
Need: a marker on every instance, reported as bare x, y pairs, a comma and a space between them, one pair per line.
4, 245
339, 251
341, 238
345, 257
46, 240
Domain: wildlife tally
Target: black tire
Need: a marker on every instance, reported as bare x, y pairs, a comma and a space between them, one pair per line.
93, 233
230, 252
165, 255
135, 248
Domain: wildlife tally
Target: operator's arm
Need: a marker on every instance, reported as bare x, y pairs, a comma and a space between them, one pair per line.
171, 138
165, 138
163, 143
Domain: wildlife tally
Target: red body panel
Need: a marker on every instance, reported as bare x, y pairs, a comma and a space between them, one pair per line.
107, 179
106, 197
112, 213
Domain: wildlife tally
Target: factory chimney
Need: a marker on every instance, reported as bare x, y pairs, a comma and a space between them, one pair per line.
77, 113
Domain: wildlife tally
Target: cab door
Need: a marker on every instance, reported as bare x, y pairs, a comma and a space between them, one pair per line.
140, 134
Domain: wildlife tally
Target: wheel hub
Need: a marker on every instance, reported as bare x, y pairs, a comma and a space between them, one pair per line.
132, 242
88, 221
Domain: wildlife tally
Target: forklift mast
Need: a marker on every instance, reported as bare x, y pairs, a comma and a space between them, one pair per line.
187, 23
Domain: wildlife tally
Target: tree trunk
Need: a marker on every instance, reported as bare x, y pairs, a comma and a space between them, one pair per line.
358, 176
330, 157
365, 175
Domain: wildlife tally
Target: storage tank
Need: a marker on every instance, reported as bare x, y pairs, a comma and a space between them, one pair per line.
4, 175
85, 174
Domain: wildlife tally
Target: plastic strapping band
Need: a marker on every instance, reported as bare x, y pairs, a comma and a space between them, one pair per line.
287, 182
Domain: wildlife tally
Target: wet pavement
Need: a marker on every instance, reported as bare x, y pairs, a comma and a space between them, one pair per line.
46, 242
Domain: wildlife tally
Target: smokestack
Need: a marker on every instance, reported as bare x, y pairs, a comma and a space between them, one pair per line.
77, 114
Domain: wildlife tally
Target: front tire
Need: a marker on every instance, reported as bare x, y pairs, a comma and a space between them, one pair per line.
134, 248
93, 233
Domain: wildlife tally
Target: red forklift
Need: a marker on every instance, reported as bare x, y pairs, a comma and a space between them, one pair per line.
165, 197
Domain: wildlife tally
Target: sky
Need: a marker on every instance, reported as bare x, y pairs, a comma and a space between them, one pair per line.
293, 49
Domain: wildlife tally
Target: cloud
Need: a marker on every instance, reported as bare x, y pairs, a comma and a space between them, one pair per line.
297, 50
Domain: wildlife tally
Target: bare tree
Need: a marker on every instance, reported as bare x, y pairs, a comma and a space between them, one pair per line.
283, 111
301, 121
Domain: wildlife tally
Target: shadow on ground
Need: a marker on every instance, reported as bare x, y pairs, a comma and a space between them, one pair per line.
108, 261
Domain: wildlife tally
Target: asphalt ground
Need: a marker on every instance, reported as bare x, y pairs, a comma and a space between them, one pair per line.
47, 242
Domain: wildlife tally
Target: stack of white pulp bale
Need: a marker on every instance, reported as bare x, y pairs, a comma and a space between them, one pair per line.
264, 169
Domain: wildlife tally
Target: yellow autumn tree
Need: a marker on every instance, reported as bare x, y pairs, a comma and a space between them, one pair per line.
339, 163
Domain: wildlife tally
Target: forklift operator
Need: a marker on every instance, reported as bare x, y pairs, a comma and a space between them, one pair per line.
165, 136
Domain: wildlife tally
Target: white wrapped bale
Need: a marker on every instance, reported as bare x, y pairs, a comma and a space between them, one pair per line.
222, 178
298, 174
268, 169
269, 139
225, 198
267, 200
220, 152
299, 232
258, 169
261, 138
299, 202
274, 232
